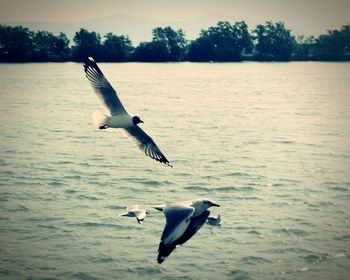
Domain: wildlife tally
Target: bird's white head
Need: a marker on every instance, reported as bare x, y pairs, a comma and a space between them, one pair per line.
136, 120
203, 204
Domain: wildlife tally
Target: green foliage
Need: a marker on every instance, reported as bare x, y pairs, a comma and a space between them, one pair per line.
166, 45
224, 42
155, 51
334, 46
86, 44
174, 42
16, 44
116, 48
48, 47
274, 42
303, 48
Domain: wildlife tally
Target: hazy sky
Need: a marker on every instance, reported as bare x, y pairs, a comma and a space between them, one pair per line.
317, 15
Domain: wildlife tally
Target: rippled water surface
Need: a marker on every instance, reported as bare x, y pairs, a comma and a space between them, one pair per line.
269, 142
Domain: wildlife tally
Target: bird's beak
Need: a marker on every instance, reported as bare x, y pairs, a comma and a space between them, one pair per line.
141, 121
214, 204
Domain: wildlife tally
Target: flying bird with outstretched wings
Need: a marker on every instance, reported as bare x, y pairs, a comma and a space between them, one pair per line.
183, 220
119, 117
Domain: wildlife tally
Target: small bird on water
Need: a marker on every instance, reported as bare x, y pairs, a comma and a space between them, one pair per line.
214, 221
119, 117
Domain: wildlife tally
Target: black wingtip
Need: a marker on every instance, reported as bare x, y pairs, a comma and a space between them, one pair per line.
89, 62
164, 251
164, 160
167, 163
160, 158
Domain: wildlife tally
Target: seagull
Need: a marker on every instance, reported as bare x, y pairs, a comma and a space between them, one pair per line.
183, 220
214, 221
119, 117
135, 211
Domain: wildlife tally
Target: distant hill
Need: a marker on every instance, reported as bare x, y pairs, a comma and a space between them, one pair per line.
137, 28
140, 28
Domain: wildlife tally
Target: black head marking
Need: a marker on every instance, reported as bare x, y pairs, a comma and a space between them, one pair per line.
136, 120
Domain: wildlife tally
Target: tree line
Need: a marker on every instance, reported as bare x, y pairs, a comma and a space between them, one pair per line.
224, 42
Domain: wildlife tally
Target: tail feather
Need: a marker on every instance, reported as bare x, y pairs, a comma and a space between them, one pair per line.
100, 119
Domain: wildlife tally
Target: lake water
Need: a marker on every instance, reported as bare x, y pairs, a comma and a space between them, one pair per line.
269, 142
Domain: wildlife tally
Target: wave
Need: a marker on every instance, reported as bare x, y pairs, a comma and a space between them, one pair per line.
87, 197
55, 183
147, 182
81, 275
115, 207
254, 260
297, 250
49, 227
291, 232
323, 257
238, 274
19, 207
210, 188
343, 237
96, 225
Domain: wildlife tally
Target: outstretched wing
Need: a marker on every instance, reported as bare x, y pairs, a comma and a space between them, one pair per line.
140, 215
194, 225
103, 88
177, 220
146, 144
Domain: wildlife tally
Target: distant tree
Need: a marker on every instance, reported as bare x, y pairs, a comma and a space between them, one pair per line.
304, 48
15, 44
335, 45
174, 41
274, 42
154, 51
86, 44
224, 42
116, 48
201, 49
48, 47
61, 46
166, 45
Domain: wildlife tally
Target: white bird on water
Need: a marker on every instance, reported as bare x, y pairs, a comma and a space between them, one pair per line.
135, 211
214, 221
119, 117
183, 220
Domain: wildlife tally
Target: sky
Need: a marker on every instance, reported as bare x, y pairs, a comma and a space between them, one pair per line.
311, 16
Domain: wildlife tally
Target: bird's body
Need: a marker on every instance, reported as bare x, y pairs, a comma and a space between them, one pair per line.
118, 116
183, 220
135, 211
120, 121
114, 121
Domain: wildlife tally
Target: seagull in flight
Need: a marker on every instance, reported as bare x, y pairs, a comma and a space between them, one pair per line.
119, 117
135, 211
183, 220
